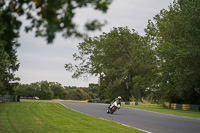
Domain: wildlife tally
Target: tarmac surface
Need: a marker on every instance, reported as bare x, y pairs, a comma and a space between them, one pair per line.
144, 120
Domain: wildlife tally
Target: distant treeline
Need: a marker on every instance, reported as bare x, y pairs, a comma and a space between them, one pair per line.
53, 90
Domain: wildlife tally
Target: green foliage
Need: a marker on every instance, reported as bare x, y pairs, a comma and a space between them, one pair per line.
8, 58
53, 90
93, 88
162, 65
41, 89
78, 94
50, 17
45, 92
116, 57
175, 37
57, 89
46, 17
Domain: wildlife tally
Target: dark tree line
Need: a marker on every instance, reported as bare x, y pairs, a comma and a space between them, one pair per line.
53, 90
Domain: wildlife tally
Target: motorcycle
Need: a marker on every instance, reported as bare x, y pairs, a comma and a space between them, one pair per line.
113, 107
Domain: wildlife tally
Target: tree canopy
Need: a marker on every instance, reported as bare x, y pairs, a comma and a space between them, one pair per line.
49, 17
8, 58
163, 64
119, 58
53, 90
175, 34
46, 17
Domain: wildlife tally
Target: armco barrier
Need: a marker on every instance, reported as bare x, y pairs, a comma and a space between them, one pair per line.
182, 106
185, 106
127, 103
167, 104
7, 98
173, 106
179, 106
194, 107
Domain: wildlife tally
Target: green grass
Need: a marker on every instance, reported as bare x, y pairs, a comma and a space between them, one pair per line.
51, 117
159, 108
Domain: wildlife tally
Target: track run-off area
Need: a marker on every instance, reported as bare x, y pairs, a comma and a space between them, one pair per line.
144, 120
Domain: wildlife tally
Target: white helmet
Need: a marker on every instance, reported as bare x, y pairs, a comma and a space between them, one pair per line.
119, 97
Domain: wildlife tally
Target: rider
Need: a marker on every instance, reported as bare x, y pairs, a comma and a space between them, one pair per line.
118, 100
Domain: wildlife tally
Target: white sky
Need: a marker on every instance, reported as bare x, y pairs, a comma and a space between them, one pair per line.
40, 61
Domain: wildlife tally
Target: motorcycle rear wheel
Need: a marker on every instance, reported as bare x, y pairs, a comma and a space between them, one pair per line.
113, 110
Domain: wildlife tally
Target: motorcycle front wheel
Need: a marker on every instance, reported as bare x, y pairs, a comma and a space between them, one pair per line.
108, 111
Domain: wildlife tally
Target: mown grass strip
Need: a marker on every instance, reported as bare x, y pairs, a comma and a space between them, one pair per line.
160, 109
50, 117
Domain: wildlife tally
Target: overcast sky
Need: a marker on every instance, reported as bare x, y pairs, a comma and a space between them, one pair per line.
40, 61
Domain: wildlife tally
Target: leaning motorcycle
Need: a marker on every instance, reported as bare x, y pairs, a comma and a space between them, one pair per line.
112, 108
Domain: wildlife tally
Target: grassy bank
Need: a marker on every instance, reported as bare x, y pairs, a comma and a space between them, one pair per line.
51, 117
159, 108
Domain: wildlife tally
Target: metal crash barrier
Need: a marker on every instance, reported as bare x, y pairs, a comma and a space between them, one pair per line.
186, 107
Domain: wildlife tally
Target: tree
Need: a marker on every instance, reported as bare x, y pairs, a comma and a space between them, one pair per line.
175, 37
21, 90
47, 17
116, 57
8, 58
53, 90
93, 88
57, 89
77, 94
45, 92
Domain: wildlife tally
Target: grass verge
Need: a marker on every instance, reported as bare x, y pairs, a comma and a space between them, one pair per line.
51, 117
160, 109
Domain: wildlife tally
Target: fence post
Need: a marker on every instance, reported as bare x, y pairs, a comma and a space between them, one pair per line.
18, 98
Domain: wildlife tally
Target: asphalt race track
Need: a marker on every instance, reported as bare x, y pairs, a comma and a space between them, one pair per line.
144, 120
